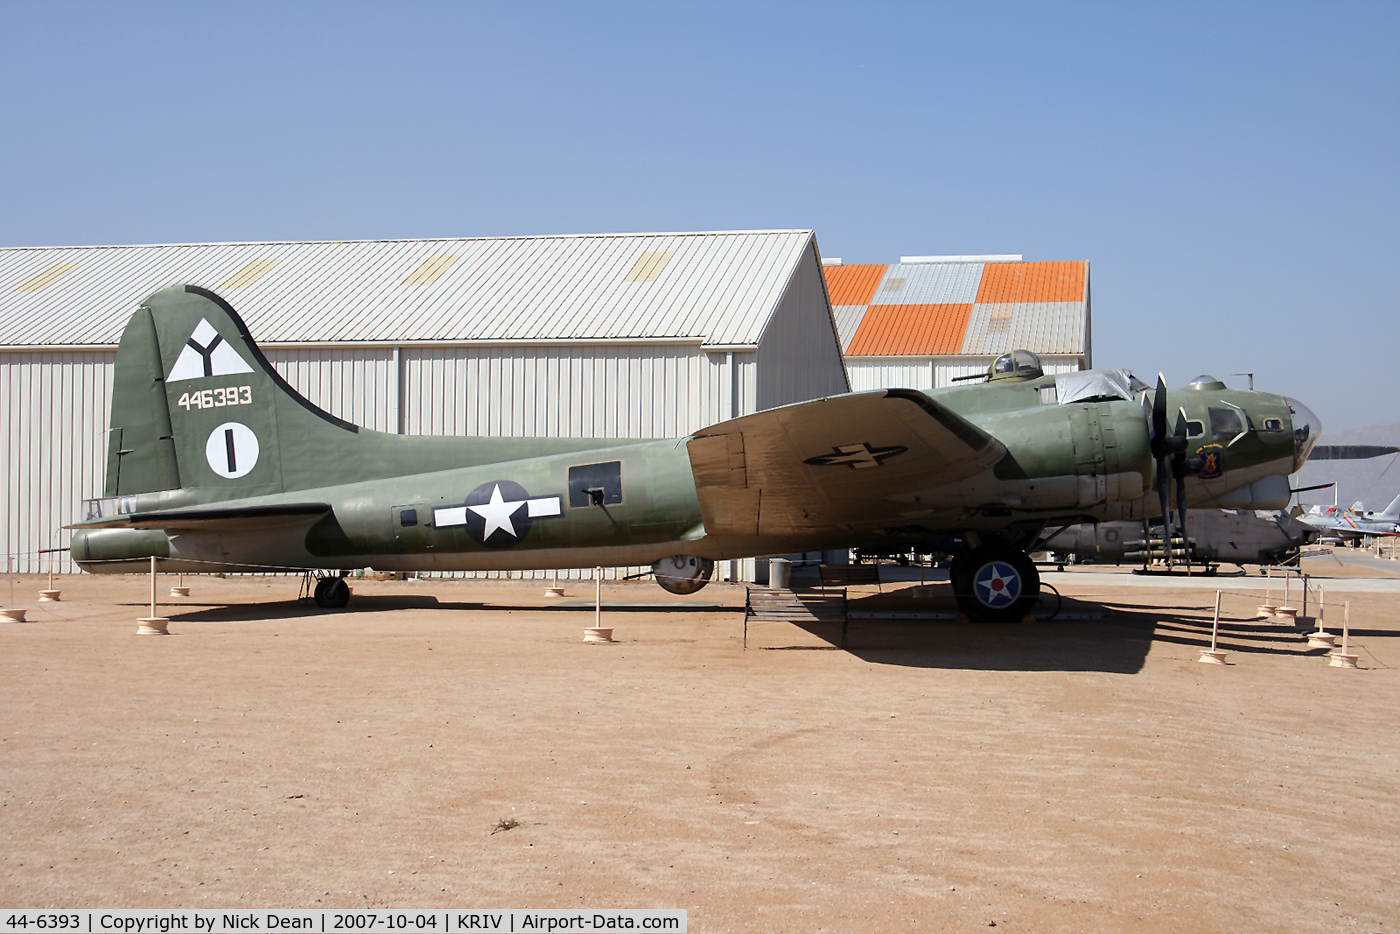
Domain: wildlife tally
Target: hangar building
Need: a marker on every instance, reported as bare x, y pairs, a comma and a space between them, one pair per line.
926, 320
619, 335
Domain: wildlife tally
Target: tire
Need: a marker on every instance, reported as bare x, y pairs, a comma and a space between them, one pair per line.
957, 574
998, 585
332, 593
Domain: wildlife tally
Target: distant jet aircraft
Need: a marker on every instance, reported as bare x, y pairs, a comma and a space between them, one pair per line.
1354, 523
216, 464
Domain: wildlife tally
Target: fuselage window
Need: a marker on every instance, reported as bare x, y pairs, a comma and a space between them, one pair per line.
1195, 429
595, 484
1225, 423
1273, 424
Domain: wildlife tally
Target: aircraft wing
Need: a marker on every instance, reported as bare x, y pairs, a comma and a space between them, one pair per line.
839, 462
1348, 452
209, 518
1346, 527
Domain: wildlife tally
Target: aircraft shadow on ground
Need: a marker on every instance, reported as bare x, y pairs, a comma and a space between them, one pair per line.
1116, 643
640, 608
192, 611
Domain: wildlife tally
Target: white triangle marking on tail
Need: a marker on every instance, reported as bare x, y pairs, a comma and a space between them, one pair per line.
206, 353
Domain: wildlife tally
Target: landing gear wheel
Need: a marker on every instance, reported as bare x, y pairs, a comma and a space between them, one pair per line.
996, 584
957, 575
332, 593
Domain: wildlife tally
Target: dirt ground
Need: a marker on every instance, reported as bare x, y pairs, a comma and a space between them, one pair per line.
1073, 775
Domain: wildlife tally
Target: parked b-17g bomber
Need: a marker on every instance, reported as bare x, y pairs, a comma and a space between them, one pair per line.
217, 464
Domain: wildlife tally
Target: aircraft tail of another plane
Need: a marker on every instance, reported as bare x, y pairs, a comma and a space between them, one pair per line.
1391, 512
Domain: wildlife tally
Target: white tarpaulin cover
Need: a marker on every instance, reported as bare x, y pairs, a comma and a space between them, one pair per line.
1093, 385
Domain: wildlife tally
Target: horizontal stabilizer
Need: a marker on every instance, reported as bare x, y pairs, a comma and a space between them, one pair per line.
209, 518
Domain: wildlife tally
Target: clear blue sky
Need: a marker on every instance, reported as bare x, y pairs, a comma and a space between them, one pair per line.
1228, 168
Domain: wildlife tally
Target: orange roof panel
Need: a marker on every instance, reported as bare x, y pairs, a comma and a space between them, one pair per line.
898, 330
1031, 282
854, 284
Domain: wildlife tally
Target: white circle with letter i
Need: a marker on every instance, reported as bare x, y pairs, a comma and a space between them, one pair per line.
232, 450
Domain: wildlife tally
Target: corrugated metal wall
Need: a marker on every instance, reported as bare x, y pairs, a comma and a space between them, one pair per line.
628, 391
358, 384
799, 357
53, 421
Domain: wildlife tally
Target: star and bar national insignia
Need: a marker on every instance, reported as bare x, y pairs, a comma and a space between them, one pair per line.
856, 456
492, 513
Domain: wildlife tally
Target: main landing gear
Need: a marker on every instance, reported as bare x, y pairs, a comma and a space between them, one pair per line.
332, 593
995, 583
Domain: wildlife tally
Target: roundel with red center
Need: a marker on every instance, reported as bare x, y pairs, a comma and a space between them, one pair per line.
997, 584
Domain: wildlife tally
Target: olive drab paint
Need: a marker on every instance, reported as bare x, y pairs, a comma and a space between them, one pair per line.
216, 463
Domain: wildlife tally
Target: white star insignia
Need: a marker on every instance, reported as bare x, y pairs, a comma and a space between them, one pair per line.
497, 513
998, 585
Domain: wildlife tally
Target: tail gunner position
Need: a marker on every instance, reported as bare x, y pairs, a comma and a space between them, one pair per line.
215, 464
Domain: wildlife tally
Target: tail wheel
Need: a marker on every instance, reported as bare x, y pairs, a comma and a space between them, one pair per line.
332, 593
996, 584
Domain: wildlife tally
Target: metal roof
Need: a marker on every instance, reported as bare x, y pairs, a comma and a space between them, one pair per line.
853, 285
929, 284
978, 308
720, 288
1041, 327
923, 330
1032, 282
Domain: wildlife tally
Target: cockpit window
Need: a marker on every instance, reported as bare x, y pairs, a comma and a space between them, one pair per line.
1195, 429
1225, 423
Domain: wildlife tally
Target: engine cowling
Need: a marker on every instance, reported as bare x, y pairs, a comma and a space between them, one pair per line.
683, 574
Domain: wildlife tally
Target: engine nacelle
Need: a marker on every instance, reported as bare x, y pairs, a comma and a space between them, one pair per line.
682, 574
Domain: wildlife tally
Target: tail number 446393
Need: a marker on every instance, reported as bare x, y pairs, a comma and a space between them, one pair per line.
217, 398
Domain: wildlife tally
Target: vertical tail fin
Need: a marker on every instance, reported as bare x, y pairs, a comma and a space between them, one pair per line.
195, 404
1392, 511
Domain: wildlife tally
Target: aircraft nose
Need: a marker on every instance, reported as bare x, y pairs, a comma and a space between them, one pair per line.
1306, 429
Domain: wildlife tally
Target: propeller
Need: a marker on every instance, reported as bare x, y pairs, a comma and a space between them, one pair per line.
1179, 472
1170, 453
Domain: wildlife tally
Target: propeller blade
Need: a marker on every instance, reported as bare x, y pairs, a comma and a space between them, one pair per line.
1179, 462
1163, 497
1159, 417
1179, 471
